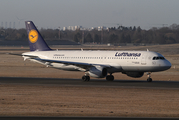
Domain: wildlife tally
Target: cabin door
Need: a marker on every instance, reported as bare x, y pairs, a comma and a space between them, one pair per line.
143, 60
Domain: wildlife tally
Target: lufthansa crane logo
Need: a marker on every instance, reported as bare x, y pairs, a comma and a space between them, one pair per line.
33, 36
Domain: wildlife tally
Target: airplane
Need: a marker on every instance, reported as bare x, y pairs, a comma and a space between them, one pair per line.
98, 64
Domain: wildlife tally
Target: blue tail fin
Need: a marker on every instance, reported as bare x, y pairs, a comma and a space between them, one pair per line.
36, 42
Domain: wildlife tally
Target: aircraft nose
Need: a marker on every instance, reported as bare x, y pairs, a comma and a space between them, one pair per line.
168, 64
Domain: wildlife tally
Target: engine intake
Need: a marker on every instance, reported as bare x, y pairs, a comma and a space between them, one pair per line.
98, 72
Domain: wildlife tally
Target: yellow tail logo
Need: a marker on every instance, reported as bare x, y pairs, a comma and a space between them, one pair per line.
33, 36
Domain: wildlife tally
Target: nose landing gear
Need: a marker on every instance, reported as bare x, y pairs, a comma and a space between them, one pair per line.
149, 79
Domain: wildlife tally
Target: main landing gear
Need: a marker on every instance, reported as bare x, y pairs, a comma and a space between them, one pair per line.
86, 77
149, 79
110, 77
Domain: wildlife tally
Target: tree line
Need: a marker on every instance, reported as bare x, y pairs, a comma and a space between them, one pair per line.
113, 35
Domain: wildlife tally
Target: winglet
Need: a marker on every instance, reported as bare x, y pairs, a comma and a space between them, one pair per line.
36, 41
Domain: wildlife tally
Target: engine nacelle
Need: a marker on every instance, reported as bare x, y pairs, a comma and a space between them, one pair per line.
134, 74
98, 72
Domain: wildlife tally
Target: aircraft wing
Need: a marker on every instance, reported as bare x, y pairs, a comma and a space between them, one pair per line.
79, 64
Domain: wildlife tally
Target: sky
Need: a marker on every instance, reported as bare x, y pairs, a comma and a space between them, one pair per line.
89, 13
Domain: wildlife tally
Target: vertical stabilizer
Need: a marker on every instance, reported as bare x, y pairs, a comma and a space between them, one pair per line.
36, 42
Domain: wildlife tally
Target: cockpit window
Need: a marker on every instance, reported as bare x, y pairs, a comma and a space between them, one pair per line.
158, 58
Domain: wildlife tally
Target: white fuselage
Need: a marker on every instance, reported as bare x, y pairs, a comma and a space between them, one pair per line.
118, 61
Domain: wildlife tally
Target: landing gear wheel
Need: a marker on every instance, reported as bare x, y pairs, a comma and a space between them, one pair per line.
109, 77
86, 78
149, 80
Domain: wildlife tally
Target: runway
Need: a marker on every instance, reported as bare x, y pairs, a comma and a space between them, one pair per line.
92, 82
82, 118
59, 97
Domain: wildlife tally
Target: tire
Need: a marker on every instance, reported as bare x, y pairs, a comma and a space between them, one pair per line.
109, 77
149, 80
85, 78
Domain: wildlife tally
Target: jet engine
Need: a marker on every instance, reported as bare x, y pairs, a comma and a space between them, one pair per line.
98, 72
134, 74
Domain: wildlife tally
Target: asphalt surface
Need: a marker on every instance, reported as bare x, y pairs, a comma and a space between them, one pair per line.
91, 83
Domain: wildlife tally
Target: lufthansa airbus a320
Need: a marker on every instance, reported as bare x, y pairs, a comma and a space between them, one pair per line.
98, 64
